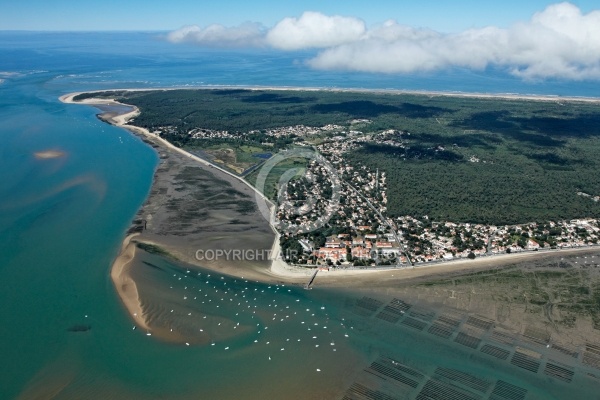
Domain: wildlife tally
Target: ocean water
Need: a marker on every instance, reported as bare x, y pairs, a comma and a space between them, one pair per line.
62, 221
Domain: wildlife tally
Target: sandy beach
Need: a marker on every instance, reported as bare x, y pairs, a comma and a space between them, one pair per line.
68, 98
125, 286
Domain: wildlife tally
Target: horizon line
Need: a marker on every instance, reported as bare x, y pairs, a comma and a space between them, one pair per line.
84, 31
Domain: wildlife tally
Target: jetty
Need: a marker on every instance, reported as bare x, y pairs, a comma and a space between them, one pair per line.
312, 279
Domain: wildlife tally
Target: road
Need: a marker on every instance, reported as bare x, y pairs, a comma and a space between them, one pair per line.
382, 219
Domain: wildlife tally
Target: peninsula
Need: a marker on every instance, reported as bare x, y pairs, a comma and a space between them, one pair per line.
202, 199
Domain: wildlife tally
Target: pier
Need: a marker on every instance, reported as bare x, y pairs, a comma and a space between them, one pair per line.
312, 279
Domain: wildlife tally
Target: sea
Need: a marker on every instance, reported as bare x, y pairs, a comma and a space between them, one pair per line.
64, 333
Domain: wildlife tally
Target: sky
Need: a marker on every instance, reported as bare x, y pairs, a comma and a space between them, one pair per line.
533, 39
442, 16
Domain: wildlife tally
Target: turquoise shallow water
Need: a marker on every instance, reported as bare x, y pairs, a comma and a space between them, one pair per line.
60, 226
62, 221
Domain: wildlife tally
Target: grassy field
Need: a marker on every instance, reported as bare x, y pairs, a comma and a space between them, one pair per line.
235, 157
272, 179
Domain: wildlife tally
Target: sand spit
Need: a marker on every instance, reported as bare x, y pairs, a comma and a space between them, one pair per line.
213, 226
126, 287
194, 205
68, 98
183, 245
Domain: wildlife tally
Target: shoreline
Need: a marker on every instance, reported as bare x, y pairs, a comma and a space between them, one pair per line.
275, 270
279, 270
122, 119
125, 285
68, 98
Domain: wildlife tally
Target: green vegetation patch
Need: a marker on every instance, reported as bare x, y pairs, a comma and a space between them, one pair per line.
153, 249
492, 161
245, 110
525, 161
271, 185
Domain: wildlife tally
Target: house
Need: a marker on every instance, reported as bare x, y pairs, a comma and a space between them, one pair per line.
332, 254
358, 241
387, 249
361, 253
334, 243
307, 245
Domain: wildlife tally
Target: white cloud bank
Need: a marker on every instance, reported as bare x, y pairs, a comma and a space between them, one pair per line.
315, 30
558, 42
311, 30
245, 35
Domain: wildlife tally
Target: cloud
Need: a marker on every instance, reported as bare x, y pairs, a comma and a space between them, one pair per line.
245, 35
315, 30
559, 42
311, 30
393, 48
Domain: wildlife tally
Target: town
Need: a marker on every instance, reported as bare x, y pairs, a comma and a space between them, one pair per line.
357, 232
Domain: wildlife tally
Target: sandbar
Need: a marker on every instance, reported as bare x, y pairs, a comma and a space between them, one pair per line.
125, 286
49, 154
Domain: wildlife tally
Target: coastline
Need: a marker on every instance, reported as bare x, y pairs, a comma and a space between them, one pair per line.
276, 270
68, 98
279, 270
122, 119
